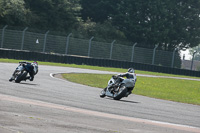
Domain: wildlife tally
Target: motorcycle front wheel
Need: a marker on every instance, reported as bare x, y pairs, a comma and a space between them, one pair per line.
103, 93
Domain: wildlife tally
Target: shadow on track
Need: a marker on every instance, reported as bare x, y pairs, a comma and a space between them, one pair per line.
127, 101
28, 83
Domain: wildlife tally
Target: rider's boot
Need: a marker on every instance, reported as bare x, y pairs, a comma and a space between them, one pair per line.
31, 78
11, 79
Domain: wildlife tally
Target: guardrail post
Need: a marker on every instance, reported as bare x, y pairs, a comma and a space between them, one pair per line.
45, 39
172, 65
67, 43
23, 34
111, 48
154, 53
2, 37
133, 49
90, 42
192, 59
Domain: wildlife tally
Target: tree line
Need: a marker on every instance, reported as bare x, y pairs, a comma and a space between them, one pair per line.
169, 24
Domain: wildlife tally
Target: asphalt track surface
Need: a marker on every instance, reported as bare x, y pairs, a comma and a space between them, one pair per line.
53, 105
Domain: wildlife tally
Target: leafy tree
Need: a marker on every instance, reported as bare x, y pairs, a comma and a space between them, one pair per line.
98, 10
170, 23
62, 15
13, 12
54, 14
101, 31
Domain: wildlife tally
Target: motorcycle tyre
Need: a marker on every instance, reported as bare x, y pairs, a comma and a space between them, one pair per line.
19, 78
122, 94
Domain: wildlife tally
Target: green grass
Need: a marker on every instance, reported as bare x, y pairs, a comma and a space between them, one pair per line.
121, 70
94, 80
185, 91
163, 88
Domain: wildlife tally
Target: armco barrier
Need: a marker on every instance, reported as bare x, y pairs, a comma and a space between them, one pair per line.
27, 55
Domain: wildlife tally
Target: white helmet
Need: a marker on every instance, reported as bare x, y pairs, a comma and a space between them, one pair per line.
131, 70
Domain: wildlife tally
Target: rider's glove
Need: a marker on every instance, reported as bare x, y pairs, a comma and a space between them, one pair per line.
119, 75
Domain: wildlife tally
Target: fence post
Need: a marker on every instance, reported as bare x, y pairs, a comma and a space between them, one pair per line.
90, 42
154, 53
111, 48
192, 59
2, 37
67, 43
23, 34
172, 65
45, 39
133, 49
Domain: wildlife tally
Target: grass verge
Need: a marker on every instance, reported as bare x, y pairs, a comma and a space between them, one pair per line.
163, 88
121, 70
178, 90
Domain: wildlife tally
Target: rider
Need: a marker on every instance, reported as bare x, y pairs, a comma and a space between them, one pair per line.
129, 75
32, 69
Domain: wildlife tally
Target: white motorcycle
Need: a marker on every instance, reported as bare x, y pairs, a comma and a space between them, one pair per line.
123, 89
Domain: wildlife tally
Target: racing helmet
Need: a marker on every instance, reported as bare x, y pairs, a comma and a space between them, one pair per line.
131, 70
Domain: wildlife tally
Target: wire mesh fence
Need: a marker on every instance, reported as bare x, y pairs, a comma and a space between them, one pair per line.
139, 55
33, 42
100, 50
37, 42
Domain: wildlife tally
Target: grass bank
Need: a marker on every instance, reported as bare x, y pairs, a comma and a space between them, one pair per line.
169, 89
185, 91
121, 70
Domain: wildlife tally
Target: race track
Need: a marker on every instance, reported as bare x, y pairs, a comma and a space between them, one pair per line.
53, 105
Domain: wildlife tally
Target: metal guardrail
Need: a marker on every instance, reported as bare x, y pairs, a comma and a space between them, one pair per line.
62, 58
37, 42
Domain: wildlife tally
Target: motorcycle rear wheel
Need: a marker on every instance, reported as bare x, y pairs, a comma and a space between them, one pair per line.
20, 77
121, 93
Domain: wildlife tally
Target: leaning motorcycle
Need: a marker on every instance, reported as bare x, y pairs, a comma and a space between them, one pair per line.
119, 91
20, 73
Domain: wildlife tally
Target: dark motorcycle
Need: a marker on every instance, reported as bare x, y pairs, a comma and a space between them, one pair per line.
21, 72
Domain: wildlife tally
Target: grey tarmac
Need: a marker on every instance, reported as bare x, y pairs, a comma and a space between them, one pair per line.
54, 105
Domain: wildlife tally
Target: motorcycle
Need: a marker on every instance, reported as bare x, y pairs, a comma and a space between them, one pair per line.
118, 91
20, 73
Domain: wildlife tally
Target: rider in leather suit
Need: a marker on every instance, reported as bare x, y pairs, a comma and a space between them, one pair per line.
32, 69
129, 75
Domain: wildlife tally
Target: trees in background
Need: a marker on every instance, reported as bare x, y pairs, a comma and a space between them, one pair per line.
60, 15
170, 24
13, 12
